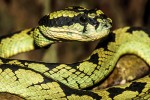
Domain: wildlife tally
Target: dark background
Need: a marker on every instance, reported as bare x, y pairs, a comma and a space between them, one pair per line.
21, 14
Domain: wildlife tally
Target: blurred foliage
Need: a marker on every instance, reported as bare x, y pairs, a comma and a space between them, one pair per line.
21, 14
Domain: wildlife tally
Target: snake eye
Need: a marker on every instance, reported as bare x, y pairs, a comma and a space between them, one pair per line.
83, 19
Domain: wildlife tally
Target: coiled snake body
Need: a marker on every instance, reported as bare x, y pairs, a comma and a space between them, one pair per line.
39, 80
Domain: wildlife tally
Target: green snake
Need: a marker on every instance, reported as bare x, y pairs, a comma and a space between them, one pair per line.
59, 81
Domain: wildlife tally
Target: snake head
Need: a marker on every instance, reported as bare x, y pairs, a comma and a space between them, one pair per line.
75, 23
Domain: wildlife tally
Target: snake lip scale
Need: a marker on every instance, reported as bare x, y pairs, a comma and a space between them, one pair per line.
59, 81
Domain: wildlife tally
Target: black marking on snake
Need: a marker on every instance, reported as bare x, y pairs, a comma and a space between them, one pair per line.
101, 16
69, 91
146, 30
56, 22
135, 86
94, 59
112, 36
74, 65
62, 21
82, 19
51, 66
105, 41
13, 67
114, 92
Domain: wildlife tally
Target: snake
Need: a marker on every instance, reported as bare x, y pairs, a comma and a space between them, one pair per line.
33, 80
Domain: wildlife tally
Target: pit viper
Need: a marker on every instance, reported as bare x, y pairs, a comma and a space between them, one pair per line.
60, 81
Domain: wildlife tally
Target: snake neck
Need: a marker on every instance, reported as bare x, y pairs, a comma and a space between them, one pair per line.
40, 39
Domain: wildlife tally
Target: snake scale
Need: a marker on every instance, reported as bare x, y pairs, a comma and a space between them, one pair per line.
39, 80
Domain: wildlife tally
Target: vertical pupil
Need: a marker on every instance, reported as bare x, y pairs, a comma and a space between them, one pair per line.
83, 19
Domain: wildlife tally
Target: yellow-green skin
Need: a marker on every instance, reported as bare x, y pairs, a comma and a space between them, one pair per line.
39, 81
